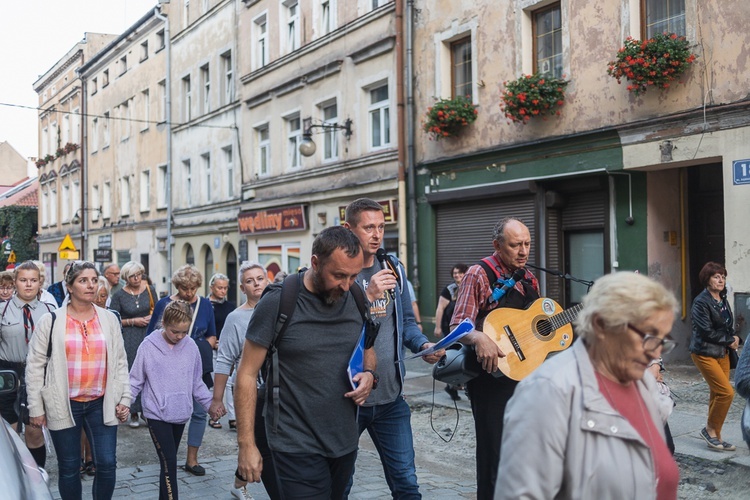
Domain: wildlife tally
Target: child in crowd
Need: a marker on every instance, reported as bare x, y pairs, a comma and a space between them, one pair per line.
168, 374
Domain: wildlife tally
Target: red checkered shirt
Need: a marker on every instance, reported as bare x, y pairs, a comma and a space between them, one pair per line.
475, 289
86, 352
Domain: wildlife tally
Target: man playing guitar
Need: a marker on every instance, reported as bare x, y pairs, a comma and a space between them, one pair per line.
489, 394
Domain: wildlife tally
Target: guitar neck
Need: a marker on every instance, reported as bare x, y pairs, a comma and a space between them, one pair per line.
565, 317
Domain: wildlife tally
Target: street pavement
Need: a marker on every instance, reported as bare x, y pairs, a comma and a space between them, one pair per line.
449, 482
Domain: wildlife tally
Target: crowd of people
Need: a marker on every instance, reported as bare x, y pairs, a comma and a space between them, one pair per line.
96, 351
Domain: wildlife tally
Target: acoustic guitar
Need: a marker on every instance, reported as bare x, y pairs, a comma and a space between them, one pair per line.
528, 336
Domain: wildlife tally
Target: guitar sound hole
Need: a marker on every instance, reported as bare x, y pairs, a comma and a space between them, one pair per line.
544, 328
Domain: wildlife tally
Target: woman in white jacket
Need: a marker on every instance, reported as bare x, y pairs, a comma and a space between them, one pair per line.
589, 423
82, 384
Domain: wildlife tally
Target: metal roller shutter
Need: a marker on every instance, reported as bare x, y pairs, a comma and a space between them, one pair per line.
585, 210
464, 230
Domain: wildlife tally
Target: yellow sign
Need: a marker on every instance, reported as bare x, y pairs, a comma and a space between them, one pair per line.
69, 254
67, 244
12, 257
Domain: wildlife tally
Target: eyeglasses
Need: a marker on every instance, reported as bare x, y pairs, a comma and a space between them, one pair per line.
652, 343
6, 288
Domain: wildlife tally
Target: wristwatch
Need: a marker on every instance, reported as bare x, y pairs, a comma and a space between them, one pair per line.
375, 378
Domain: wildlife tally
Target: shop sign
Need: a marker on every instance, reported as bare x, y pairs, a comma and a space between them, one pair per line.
390, 211
272, 220
102, 255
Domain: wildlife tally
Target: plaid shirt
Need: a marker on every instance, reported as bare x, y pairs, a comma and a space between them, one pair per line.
476, 289
86, 352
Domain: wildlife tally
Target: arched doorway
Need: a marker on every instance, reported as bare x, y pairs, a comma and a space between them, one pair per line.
232, 273
189, 255
208, 270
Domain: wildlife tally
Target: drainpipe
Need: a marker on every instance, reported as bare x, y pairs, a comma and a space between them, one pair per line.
84, 171
410, 141
402, 245
168, 118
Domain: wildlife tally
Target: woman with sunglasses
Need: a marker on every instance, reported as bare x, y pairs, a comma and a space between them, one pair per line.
713, 336
83, 384
589, 423
20, 314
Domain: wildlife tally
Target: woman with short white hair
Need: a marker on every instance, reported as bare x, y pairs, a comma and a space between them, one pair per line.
134, 302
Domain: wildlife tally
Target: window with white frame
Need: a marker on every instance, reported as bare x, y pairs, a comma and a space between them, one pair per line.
377, 3
186, 12
204, 6
94, 87
107, 200
163, 100
105, 78
125, 117
327, 19
229, 168
45, 141
144, 50
52, 206
65, 207
160, 40
291, 26
206, 88
94, 134
330, 138
187, 98
206, 160
264, 149
261, 41
461, 70
294, 137
547, 32
161, 186
145, 191
53, 138
380, 117
75, 197
105, 125
228, 80
146, 103
663, 16
65, 129
123, 65
95, 202
188, 174
125, 196
75, 126
45, 207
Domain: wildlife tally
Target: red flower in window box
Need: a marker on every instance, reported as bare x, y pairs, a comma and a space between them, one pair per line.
533, 95
448, 116
652, 63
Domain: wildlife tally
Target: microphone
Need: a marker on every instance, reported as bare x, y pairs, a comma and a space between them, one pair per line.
499, 292
382, 257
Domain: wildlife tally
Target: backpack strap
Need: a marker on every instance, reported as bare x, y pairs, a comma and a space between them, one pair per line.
49, 343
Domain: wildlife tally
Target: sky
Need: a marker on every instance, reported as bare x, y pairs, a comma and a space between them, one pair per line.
34, 35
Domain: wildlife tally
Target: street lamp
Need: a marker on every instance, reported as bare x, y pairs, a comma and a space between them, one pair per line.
77, 216
307, 146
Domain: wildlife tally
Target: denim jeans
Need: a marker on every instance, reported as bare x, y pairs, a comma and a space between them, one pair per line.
389, 426
197, 426
88, 416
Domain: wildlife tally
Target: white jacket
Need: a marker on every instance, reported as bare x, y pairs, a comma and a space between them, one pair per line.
49, 396
562, 438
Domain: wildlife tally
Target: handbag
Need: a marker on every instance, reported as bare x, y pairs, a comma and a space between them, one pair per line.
150, 300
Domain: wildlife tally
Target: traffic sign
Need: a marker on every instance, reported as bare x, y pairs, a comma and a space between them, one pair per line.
12, 257
67, 244
69, 254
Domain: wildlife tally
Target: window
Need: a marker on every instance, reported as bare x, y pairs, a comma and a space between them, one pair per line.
145, 191
461, 67
161, 186
264, 150
125, 196
144, 50
188, 182
547, 26
105, 124
378, 3
186, 98
228, 80
95, 202
160, 40
229, 164
65, 212
94, 86
327, 16
206, 159
291, 37
105, 78
294, 137
380, 117
123, 65
261, 41
52, 207
107, 200
163, 99
65, 129
75, 197
284, 257
204, 6
206, 87
663, 16
125, 117
75, 126
186, 12
53, 138
45, 208
330, 140
94, 135
45, 141
146, 102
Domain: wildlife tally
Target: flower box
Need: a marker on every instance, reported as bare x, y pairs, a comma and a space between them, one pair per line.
533, 95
